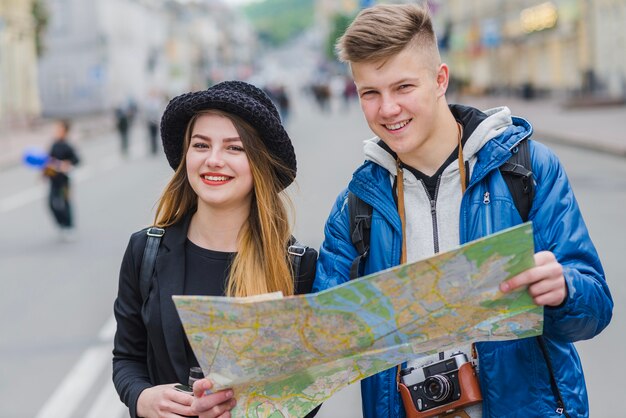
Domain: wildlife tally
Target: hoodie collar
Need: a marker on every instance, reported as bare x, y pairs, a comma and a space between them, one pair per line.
479, 128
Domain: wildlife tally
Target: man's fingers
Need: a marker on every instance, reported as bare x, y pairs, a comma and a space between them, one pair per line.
544, 257
522, 279
547, 268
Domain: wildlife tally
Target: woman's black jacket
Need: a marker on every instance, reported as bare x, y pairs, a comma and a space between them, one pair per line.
149, 345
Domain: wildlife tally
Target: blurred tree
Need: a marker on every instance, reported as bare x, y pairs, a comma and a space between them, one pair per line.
339, 24
41, 17
277, 21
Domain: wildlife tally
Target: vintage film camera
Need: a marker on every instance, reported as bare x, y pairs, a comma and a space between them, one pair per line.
440, 387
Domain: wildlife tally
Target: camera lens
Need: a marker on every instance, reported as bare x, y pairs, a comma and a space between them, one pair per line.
195, 373
437, 388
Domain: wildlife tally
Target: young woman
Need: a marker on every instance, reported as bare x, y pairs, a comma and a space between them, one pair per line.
226, 232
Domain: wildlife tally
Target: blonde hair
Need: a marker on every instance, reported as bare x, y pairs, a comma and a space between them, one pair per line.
261, 264
384, 30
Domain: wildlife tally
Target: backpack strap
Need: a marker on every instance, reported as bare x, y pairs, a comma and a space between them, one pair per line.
149, 259
296, 251
519, 178
360, 225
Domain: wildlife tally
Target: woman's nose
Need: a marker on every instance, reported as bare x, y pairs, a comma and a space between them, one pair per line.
215, 158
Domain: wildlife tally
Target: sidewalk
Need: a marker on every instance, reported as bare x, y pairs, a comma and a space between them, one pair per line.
596, 128
13, 143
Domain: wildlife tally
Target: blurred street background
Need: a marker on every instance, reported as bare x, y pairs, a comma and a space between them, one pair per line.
560, 64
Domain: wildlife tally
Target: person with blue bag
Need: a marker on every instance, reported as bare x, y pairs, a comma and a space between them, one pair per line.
61, 160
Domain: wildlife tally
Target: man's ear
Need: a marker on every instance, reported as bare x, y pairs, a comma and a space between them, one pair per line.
443, 78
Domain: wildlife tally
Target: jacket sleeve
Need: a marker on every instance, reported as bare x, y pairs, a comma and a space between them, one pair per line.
560, 228
130, 370
337, 252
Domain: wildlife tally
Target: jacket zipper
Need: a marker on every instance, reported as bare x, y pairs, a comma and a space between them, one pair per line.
487, 203
433, 214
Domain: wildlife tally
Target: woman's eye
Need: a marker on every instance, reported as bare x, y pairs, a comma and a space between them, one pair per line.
236, 148
199, 145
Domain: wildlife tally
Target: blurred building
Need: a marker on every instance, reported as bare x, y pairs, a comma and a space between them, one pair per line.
570, 47
19, 99
101, 53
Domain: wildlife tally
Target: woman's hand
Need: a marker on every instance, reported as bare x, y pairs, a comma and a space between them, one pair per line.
164, 402
545, 281
211, 405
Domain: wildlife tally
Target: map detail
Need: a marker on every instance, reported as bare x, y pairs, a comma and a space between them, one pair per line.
285, 356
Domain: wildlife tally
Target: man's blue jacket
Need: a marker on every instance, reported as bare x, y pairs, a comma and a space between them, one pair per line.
514, 378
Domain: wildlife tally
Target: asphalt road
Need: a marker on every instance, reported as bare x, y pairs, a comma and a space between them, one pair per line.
56, 299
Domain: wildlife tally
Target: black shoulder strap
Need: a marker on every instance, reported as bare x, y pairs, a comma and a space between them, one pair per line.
519, 178
296, 251
149, 259
360, 225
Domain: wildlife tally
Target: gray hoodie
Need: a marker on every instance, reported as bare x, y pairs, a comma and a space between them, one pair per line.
420, 221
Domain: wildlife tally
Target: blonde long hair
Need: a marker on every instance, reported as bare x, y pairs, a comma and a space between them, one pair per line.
261, 264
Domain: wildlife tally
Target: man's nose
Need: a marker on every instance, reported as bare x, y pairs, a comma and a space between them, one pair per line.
389, 106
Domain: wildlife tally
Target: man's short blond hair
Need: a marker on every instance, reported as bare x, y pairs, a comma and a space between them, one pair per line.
384, 30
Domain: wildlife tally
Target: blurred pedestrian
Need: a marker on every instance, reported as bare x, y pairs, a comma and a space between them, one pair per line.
225, 232
283, 102
124, 117
62, 158
152, 110
122, 123
433, 180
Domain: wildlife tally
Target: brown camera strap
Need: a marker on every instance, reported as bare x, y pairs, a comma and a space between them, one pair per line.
401, 211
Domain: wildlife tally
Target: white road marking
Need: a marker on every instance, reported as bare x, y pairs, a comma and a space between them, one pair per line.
107, 404
77, 383
22, 198
81, 379
107, 332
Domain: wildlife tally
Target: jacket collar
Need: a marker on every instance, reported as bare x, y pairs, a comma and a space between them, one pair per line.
170, 276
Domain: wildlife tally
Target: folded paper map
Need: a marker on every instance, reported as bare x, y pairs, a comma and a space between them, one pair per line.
284, 356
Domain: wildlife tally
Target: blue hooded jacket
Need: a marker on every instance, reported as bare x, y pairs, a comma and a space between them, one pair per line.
514, 378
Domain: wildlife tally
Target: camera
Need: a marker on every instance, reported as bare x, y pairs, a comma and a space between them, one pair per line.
195, 373
439, 387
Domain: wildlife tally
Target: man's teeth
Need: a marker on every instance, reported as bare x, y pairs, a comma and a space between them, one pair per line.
216, 178
397, 125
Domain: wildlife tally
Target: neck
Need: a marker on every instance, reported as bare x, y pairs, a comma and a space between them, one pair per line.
217, 229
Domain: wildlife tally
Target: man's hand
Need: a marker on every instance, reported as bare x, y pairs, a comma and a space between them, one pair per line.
164, 402
207, 404
545, 281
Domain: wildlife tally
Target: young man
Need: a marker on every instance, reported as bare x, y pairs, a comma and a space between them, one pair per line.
62, 158
401, 83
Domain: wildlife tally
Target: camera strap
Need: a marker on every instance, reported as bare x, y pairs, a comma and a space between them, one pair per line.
400, 188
